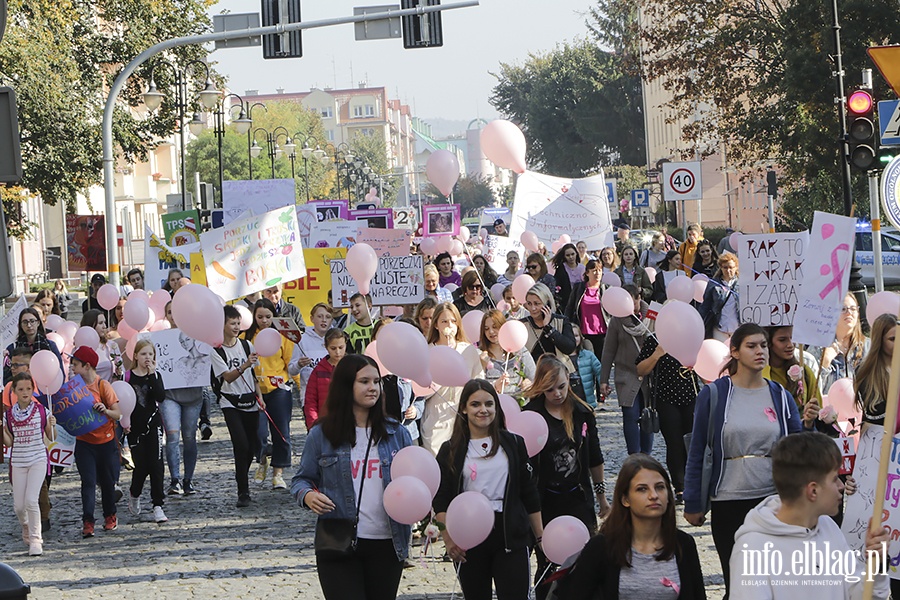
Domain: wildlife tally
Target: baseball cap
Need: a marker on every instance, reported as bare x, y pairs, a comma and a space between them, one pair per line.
86, 355
499, 222
98, 278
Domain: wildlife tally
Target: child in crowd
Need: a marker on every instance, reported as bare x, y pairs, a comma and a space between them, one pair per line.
27, 422
320, 378
588, 367
515, 312
145, 435
360, 331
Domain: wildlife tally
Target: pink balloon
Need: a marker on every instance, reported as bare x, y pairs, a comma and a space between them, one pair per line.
131, 344
503, 143
512, 336
451, 287
444, 243
87, 336
471, 324
482, 234
563, 537
509, 405
417, 462
197, 312
421, 390
140, 294
428, 246
54, 322
372, 352
502, 306
161, 325
680, 288
404, 352
680, 330
246, 317
470, 519
532, 427
565, 238
442, 169
555, 246
67, 331
136, 313
530, 240
127, 400
611, 279
879, 304
43, 366
447, 366
158, 301
617, 302
362, 263
54, 386
457, 248
108, 296
734, 239
184, 281
407, 500
842, 397
125, 330
521, 285
464, 234
711, 359
267, 342
57, 339
651, 273
699, 282
497, 291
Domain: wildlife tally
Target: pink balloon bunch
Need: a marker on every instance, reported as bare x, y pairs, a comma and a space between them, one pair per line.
107, 296
564, 536
512, 336
362, 263
680, 330
407, 500
417, 462
711, 359
520, 287
470, 519
442, 169
404, 352
127, 401
503, 143
617, 302
530, 240
198, 313
267, 342
447, 366
531, 427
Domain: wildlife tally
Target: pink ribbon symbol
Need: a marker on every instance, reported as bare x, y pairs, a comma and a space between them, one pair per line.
474, 470
671, 584
770, 413
584, 430
836, 272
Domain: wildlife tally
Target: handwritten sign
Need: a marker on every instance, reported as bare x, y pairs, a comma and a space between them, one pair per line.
306, 292
496, 247
288, 328
73, 407
159, 258
770, 275
255, 195
386, 242
380, 218
86, 242
181, 360
399, 280
253, 253
334, 234
826, 275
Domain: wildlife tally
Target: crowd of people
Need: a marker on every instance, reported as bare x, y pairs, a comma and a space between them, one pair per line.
764, 480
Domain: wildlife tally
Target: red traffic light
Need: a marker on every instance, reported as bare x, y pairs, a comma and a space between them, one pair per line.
860, 102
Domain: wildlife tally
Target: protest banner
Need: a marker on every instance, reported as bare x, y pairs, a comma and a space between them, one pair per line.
9, 325
496, 247
306, 221
73, 407
181, 360
159, 258
180, 228
86, 242
257, 196
404, 217
399, 280
306, 292
826, 276
551, 206
770, 275
331, 210
253, 253
380, 218
288, 328
198, 268
441, 219
386, 242
334, 234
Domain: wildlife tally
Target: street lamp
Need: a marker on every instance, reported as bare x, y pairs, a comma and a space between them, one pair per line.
290, 147
242, 126
273, 149
208, 96
250, 152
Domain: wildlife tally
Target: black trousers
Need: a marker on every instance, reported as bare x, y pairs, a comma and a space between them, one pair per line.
674, 423
572, 503
147, 454
372, 573
242, 426
489, 561
727, 517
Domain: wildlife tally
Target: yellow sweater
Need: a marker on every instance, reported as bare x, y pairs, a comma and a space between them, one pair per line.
810, 387
273, 370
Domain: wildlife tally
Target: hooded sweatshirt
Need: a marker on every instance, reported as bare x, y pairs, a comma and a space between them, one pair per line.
803, 553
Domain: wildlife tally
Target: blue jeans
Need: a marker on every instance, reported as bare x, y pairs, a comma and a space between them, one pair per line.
635, 439
97, 463
181, 418
279, 405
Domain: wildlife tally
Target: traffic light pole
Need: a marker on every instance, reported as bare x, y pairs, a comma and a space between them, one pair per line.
119, 84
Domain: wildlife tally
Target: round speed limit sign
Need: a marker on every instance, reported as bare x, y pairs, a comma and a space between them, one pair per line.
681, 181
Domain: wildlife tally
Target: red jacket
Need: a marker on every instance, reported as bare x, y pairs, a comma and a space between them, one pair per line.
317, 392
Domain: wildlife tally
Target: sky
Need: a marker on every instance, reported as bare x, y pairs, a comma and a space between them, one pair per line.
450, 82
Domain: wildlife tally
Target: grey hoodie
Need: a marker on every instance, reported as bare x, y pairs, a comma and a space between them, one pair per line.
798, 562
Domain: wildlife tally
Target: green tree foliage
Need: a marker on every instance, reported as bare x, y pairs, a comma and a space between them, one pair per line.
578, 106
472, 193
756, 77
372, 150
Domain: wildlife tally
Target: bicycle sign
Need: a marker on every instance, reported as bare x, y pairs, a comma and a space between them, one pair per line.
681, 181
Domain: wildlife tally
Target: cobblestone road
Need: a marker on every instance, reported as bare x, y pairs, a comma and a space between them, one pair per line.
211, 549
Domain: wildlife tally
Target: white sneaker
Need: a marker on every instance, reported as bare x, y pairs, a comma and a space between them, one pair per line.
158, 515
278, 482
35, 549
134, 505
262, 469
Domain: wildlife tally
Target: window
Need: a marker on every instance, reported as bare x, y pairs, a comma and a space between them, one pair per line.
888, 243
357, 112
367, 131
864, 241
329, 135
327, 112
370, 110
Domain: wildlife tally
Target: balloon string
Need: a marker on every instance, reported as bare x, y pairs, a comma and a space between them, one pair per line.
455, 581
540, 579
505, 372
259, 404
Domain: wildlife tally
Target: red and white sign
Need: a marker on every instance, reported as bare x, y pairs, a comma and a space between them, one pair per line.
681, 181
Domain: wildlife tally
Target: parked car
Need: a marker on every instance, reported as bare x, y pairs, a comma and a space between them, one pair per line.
890, 255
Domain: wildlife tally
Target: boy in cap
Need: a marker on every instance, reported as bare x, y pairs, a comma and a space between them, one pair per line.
97, 282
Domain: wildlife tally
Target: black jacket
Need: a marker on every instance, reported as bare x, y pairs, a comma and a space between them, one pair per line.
595, 574
520, 500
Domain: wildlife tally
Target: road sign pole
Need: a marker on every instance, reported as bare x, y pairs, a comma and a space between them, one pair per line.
683, 220
771, 211
875, 211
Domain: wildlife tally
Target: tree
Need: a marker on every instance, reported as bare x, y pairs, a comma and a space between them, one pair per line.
61, 58
578, 107
472, 193
372, 150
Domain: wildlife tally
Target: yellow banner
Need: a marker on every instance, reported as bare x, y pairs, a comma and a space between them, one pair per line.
307, 292
198, 268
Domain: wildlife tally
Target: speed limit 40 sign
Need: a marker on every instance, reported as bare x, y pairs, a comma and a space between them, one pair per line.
681, 181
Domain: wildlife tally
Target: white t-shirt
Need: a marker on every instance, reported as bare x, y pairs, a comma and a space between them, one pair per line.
242, 385
486, 474
373, 521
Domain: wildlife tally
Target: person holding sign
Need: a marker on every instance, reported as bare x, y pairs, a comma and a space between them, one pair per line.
27, 423
97, 452
844, 356
871, 382
31, 334
720, 309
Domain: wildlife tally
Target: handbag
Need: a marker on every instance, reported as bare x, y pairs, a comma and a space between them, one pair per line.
336, 538
706, 473
649, 420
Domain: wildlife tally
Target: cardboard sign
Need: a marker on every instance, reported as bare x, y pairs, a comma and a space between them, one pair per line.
288, 328
377, 218
159, 258
399, 280
847, 446
334, 234
331, 210
86, 242
386, 242
73, 407
257, 196
404, 217
181, 360
770, 275
9, 325
180, 229
496, 247
253, 253
306, 292
440, 219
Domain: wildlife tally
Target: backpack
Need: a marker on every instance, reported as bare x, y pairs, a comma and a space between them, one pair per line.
244, 401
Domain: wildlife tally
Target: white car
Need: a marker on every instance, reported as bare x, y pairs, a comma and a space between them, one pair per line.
890, 256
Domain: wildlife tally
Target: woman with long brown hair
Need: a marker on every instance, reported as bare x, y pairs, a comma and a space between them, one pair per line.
509, 372
872, 376
843, 357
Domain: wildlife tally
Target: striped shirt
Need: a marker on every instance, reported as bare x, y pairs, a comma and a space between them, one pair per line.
26, 426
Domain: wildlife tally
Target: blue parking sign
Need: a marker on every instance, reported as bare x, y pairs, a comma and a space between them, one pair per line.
640, 198
611, 191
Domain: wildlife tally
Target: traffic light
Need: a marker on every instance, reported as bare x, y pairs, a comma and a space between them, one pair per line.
861, 131
422, 31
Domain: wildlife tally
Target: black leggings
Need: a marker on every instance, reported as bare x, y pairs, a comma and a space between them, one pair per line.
674, 422
488, 561
146, 452
727, 517
372, 573
554, 504
242, 426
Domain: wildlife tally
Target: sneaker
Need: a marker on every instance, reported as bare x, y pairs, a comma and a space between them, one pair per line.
243, 501
158, 515
679, 498
110, 523
35, 549
87, 530
205, 431
262, 469
119, 493
278, 482
175, 488
134, 505
189, 488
